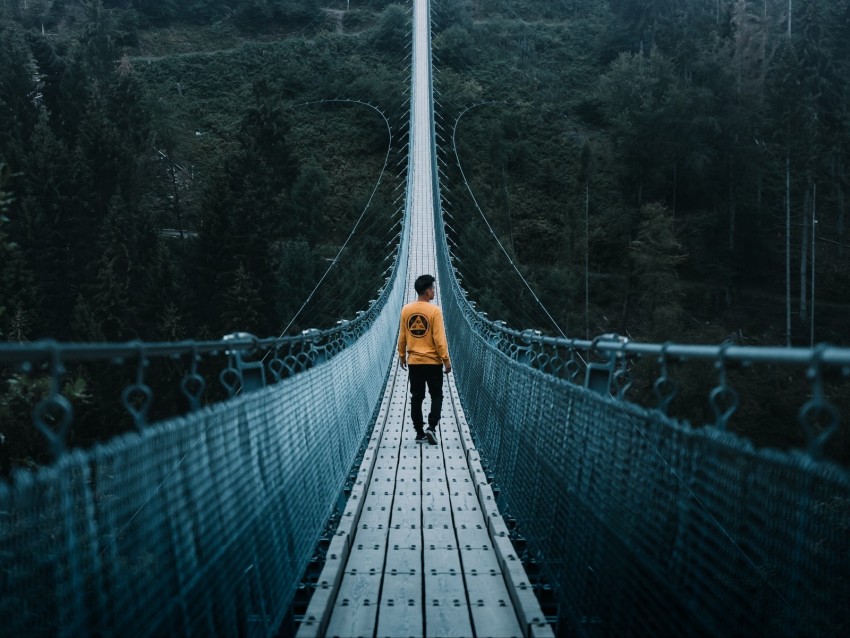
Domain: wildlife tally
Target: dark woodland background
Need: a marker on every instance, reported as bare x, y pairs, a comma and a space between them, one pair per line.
662, 169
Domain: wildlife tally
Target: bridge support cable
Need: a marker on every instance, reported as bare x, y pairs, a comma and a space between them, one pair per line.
425, 549
490, 229
357, 222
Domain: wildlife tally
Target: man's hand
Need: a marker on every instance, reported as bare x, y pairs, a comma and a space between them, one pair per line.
402, 363
447, 367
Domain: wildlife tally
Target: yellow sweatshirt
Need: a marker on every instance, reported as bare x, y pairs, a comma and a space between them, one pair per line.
422, 335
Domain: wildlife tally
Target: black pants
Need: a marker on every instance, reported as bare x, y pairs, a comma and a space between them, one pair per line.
420, 376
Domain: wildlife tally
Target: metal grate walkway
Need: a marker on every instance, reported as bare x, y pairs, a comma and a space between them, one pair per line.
421, 549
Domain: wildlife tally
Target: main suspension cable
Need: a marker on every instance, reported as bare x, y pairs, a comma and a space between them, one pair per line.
487, 223
336, 258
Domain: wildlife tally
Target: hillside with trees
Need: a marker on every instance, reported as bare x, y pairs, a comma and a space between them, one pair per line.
184, 174
685, 163
662, 170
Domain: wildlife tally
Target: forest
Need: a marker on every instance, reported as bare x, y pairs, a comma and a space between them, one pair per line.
664, 170
674, 160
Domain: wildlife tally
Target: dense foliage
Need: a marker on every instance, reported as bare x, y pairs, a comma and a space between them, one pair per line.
171, 173
700, 119
653, 169
656, 170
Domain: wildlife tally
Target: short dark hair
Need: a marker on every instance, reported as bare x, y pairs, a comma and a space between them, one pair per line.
423, 282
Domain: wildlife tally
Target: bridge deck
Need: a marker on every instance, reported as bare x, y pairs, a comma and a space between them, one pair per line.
421, 549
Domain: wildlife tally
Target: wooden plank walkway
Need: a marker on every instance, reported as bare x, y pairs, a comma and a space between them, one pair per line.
421, 549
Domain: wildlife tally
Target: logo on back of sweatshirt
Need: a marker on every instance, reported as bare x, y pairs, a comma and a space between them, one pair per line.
417, 325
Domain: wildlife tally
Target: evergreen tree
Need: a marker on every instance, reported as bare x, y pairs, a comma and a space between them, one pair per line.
259, 181
635, 94
268, 160
206, 11
128, 108
656, 291
162, 300
129, 243
305, 213
7, 255
97, 42
106, 163
20, 319
295, 11
824, 64
642, 19
85, 324
30, 13
50, 66
69, 97
46, 228
111, 298
298, 271
20, 94
754, 47
242, 304
451, 13
213, 252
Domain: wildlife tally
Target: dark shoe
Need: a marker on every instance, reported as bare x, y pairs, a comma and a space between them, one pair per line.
431, 436
421, 438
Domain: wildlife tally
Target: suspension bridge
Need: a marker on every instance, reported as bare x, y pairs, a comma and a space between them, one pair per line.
632, 523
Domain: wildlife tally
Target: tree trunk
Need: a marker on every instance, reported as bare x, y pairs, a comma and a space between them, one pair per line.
675, 179
586, 261
840, 201
176, 190
814, 234
804, 258
731, 206
765, 37
788, 249
789, 17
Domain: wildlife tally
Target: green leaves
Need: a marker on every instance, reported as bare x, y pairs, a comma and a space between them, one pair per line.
76, 390
454, 47
393, 29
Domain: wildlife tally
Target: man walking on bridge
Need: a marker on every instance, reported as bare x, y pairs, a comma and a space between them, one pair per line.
424, 352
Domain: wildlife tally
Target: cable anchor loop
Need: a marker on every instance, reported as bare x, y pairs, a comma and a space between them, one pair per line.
52, 416
723, 399
622, 377
137, 397
193, 384
818, 418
